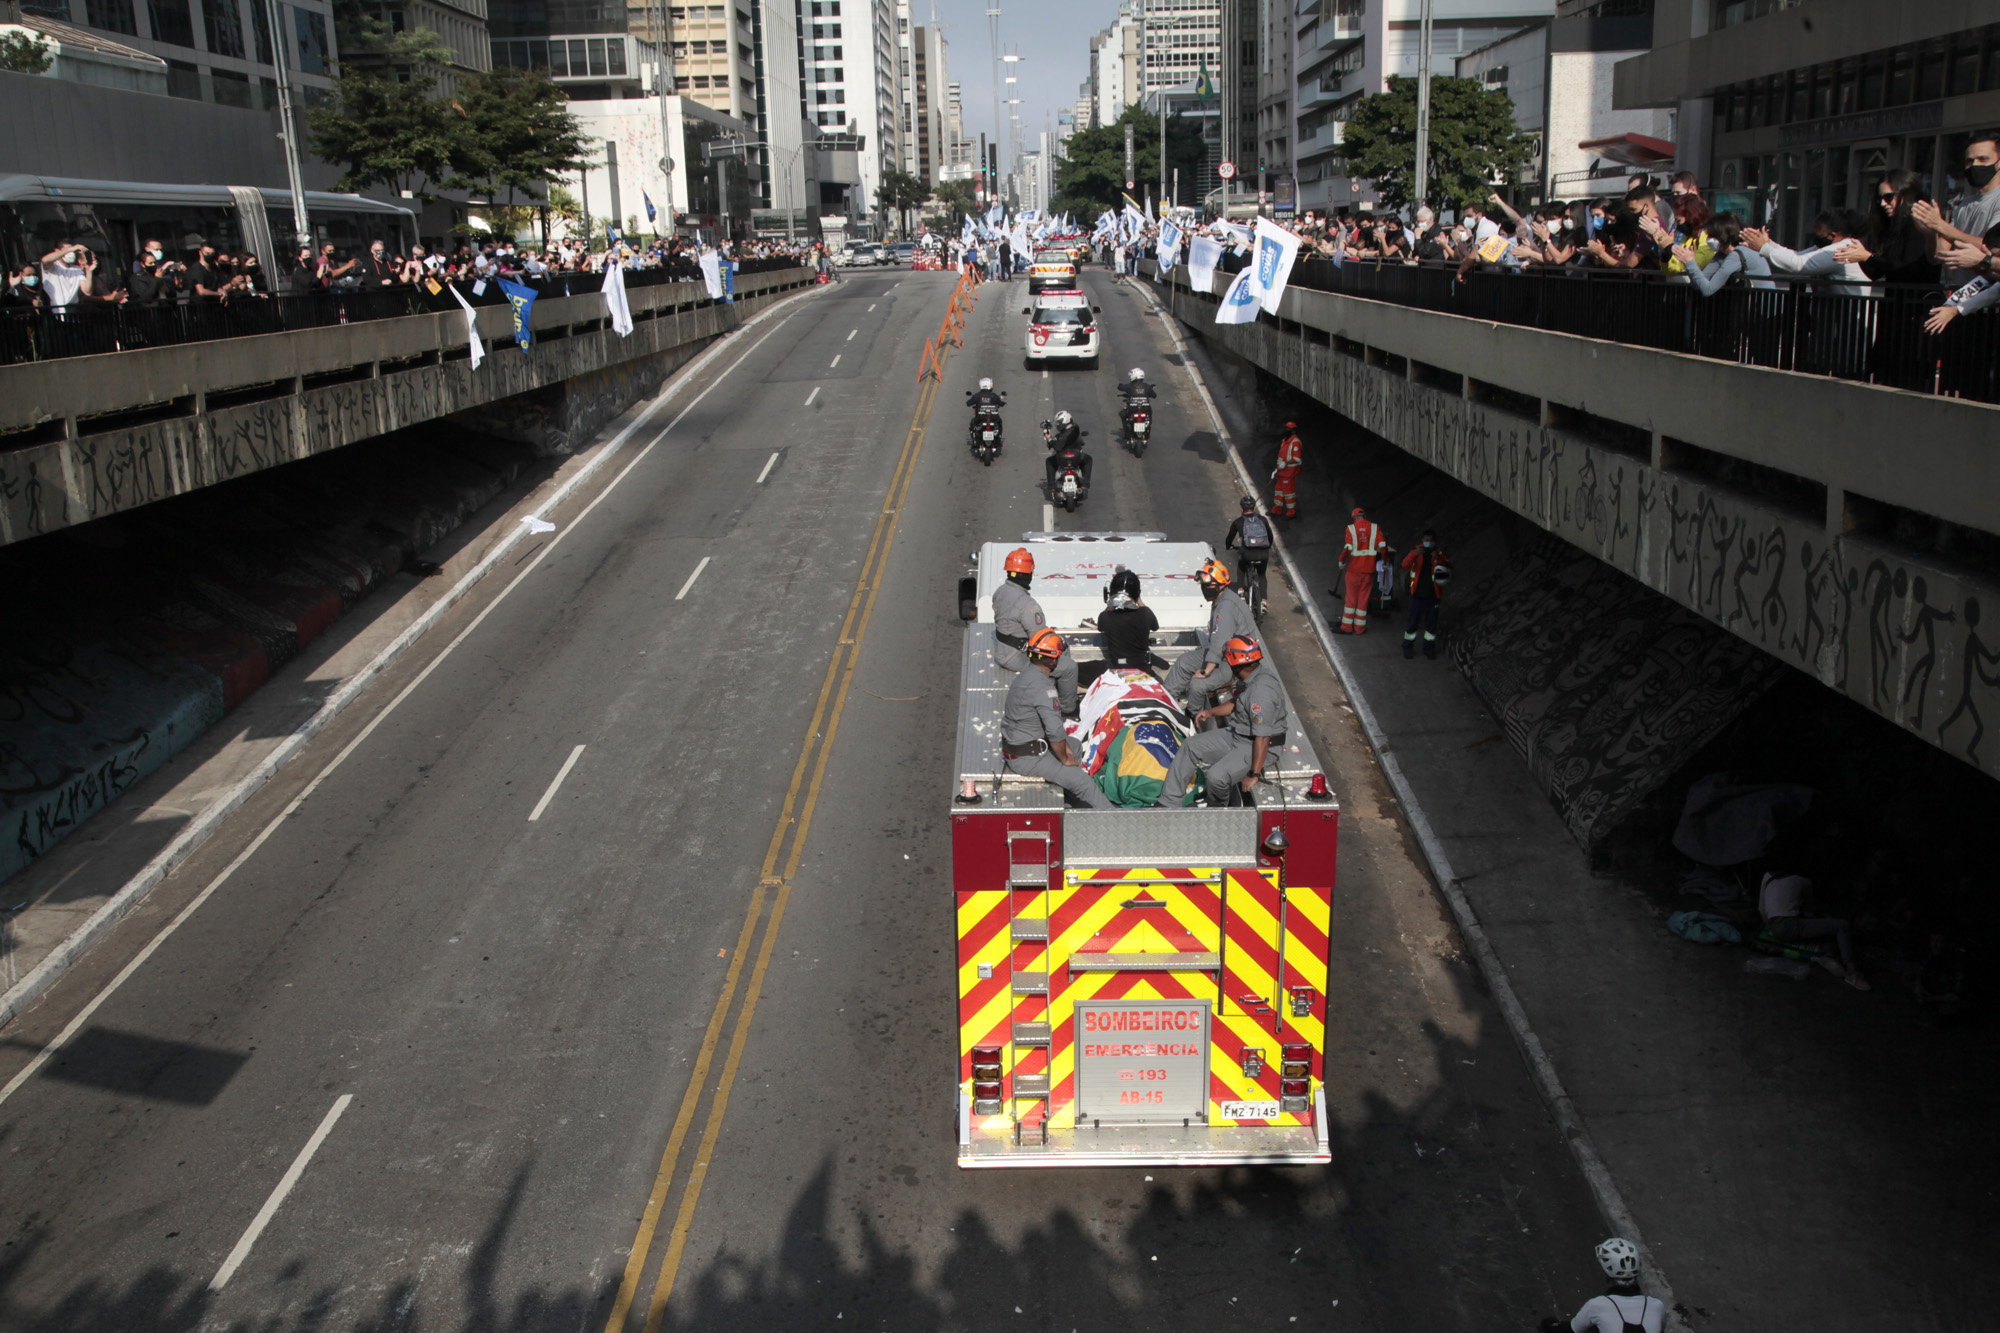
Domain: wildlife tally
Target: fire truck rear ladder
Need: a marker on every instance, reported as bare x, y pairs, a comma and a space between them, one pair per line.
1032, 879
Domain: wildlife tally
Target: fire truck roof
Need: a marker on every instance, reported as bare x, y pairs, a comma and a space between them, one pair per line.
1072, 569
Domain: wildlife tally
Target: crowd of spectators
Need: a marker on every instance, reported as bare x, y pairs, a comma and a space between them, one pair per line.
76, 276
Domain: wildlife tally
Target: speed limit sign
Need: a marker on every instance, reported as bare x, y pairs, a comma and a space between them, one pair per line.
1226, 170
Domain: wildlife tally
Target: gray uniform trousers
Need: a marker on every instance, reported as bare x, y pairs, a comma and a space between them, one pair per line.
1072, 780
1222, 756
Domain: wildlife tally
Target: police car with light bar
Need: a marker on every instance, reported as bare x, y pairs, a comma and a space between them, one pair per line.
1062, 326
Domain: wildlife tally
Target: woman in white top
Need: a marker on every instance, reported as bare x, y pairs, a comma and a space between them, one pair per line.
1835, 260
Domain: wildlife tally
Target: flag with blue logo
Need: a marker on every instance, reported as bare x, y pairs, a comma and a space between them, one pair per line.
1239, 304
522, 301
1272, 256
652, 215
996, 215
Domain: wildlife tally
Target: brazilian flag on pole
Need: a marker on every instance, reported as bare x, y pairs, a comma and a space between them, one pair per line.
1204, 86
522, 300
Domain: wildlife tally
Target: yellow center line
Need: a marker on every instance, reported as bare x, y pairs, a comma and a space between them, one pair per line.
841, 667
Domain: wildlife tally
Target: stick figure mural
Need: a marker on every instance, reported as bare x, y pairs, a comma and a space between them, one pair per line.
1979, 665
1922, 626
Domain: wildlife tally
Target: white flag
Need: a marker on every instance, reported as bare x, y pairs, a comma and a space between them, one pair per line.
711, 273
1239, 304
1204, 253
1271, 260
477, 347
616, 303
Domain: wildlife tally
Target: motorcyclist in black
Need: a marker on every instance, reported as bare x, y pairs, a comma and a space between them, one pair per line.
1133, 391
1065, 439
983, 396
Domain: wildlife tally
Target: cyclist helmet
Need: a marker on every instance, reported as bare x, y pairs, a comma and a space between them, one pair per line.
1249, 503
1125, 582
1137, 374
1291, 425
1213, 571
1240, 651
1019, 561
1619, 1258
1064, 419
1046, 643
985, 383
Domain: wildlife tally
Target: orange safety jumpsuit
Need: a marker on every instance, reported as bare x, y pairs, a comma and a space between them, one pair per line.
1362, 543
1285, 484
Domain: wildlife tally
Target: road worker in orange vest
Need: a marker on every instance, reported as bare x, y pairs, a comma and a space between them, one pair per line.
1362, 544
1285, 481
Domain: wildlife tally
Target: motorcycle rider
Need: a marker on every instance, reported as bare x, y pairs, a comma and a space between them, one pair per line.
1134, 391
1065, 441
983, 396
1252, 532
1623, 1306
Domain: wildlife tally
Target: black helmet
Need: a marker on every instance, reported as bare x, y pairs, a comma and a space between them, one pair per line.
1127, 582
1249, 504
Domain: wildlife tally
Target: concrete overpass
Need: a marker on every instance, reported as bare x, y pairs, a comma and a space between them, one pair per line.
1850, 531
83, 437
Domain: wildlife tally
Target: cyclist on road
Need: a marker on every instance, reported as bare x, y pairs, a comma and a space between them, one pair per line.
1252, 533
1623, 1308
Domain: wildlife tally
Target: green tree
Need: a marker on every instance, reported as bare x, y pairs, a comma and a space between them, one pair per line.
1092, 177
384, 132
26, 53
1474, 141
519, 137
902, 191
958, 197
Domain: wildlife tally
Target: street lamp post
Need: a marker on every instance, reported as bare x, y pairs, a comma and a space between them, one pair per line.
1420, 183
289, 131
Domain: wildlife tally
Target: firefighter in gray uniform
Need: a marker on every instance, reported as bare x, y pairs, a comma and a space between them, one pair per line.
1228, 618
1016, 618
1031, 734
1253, 721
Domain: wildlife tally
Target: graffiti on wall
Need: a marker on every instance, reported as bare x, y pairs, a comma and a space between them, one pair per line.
1912, 639
60, 483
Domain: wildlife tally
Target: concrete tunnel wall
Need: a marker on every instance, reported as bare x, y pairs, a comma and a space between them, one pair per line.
1912, 637
130, 428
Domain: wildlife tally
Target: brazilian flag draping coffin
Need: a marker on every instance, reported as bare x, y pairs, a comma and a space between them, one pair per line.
1136, 763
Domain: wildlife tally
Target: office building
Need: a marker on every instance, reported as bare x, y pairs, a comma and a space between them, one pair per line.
1347, 49
1786, 110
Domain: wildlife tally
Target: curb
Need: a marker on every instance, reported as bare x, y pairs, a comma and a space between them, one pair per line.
204, 825
1611, 1204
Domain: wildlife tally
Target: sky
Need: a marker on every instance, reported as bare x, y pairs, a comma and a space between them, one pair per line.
1051, 36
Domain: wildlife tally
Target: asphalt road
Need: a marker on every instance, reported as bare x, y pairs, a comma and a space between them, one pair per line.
678, 1051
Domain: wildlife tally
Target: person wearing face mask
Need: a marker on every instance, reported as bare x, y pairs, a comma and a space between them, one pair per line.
63, 274
377, 269
150, 255
1973, 213
24, 290
1834, 257
1430, 570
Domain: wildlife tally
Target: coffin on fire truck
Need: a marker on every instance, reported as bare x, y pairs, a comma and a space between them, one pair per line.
1135, 986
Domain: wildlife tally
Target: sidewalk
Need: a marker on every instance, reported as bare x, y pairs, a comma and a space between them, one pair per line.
1797, 1155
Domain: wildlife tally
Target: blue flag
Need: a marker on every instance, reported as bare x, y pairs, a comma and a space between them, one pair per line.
651, 214
729, 280
522, 299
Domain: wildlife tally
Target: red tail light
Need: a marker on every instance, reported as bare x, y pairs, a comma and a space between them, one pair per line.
1297, 1062
1318, 791
988, 1091
1293, 1087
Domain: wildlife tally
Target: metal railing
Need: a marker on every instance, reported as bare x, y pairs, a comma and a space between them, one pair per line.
1874, 335
89, 330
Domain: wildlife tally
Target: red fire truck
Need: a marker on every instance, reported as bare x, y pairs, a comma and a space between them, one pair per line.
1135, 986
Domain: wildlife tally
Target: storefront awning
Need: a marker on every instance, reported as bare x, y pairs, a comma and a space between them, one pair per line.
1634, 150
